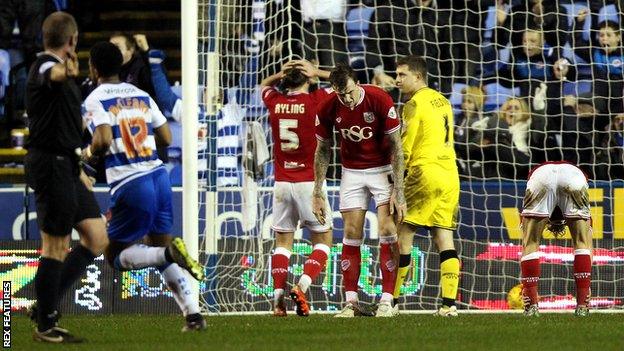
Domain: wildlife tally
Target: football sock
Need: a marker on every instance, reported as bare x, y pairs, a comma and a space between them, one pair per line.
404, 266
74, 266
449, 276
277, 294
140, 256
178, 281
279, 267
582, 275
530, 267
47, 283
313, 266
350, 267
388, 265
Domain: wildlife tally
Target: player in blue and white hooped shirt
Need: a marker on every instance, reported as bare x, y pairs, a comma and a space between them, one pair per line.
126, 125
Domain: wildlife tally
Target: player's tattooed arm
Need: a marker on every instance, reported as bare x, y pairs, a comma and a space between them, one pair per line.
398, 170
321, 163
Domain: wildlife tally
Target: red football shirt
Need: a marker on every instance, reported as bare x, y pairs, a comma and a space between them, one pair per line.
292, 119
362, 130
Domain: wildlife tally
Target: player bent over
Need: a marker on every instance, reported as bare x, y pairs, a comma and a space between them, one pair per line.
556, 197
292, 115
432, 180
126, 125
372, 160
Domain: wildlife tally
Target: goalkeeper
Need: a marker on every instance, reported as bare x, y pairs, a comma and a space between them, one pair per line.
432, 180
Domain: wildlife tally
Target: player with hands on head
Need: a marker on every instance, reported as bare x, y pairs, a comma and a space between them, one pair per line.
292, 114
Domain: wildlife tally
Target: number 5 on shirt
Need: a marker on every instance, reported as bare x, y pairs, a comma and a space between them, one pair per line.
290, 139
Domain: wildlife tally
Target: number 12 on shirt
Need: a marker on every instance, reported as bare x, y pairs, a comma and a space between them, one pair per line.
133, 134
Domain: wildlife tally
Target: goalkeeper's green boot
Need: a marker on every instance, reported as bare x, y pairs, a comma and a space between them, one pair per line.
180, 255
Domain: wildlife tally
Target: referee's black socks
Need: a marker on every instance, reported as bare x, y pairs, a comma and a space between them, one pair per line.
74, 266
47, 282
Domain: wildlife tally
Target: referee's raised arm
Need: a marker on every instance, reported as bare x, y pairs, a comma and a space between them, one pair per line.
53, 170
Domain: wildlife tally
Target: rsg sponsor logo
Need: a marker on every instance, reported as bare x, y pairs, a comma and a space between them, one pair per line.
357, 133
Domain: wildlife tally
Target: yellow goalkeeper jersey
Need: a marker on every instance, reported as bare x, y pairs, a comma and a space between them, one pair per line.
428, 130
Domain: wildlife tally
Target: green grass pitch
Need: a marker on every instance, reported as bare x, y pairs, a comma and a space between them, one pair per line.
322, 332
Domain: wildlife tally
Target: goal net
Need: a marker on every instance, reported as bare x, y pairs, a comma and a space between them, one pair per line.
528, 83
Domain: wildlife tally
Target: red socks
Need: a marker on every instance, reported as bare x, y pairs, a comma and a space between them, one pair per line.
279, 267
316, 261
582, 275
350, 264
530, 267
387, 263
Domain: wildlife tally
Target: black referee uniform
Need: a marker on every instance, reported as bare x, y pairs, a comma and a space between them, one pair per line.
52, 165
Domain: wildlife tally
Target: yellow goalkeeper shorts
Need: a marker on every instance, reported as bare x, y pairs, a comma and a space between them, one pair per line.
432, 196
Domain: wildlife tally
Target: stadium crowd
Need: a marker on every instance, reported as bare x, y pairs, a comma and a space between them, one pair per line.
529, 80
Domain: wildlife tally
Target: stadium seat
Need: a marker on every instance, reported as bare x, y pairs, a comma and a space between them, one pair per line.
608, 13
358, 21
60, 5
456, 95
577, 88
568, 52
5, 69
177, 89
174, 154
490, 23
496, 95
504, 54
573, 9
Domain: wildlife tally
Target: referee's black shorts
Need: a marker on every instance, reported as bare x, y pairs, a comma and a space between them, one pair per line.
62, 199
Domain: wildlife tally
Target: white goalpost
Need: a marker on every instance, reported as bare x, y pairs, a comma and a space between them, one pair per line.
190, 103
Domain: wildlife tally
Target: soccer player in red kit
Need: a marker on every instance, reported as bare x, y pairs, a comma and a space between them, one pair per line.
292, 115
372, 166
556, 196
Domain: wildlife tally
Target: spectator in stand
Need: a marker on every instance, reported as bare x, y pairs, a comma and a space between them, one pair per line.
546, 16
324, 34
29, 15
400, 28
540, 74
583, 130
163, 94
536, 64
168, 102
609, 160
505, 146
470, 123
606, 55
458, 29
135, 69
234, 39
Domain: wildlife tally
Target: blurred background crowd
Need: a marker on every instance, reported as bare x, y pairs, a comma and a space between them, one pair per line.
529, 80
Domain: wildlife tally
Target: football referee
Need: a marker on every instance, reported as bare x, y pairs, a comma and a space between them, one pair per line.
63, 193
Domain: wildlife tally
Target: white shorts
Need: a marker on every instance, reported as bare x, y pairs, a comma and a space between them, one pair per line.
557, 185
292, 203
358, 185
